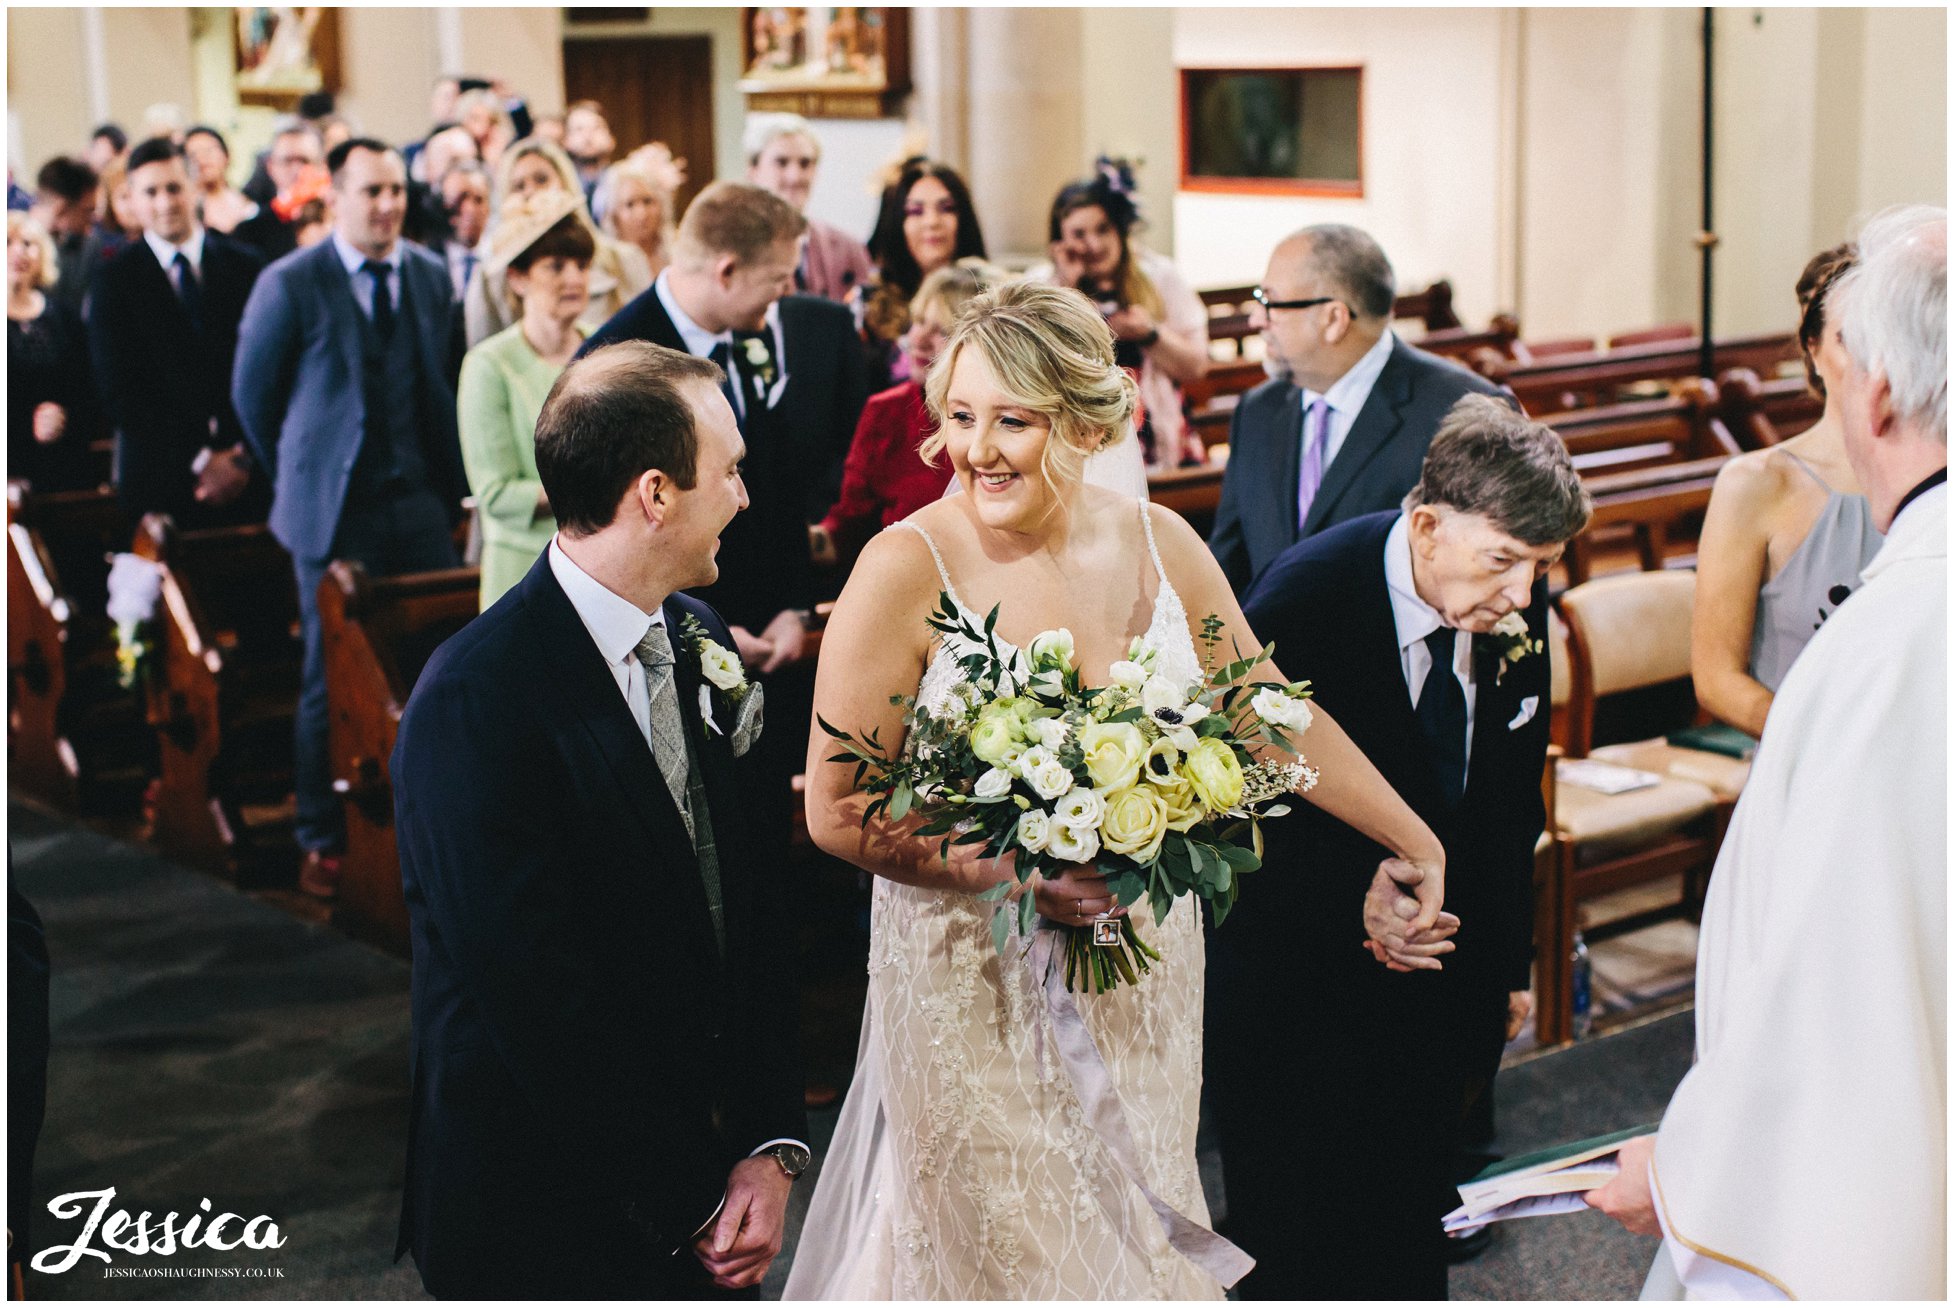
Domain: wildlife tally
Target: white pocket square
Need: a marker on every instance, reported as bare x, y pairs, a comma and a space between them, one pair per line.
1528, 707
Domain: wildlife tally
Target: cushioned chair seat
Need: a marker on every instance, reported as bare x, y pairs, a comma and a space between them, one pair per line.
1604, 825
1721, 773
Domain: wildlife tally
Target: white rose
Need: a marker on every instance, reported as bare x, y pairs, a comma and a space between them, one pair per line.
721, 666
1080, 810
1159, 693
994, 783
1052, 647
1052, 733
1280, 709
1035, 831
1074, 846
1128, 673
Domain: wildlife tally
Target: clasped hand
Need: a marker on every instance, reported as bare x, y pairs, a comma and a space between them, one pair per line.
1402, 916
1076, 896
746, 1236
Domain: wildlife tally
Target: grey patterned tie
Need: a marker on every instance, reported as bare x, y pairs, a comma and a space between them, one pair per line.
680, 769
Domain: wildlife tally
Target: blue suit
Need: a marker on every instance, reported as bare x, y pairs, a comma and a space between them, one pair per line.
357, 434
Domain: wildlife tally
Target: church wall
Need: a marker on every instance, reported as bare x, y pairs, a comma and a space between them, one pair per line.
1902, 154
47, 86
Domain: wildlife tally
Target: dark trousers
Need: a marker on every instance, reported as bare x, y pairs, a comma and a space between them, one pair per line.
386, 533
1338, 1127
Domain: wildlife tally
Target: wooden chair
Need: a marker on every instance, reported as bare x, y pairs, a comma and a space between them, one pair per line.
1580, 380
223, 696
1194, 493
1665, 334
1628, 666
1762, 413
378, 635
71, 727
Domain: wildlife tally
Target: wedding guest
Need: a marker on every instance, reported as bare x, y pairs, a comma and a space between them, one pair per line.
926, 222
51, 408
544, 252
1804, 1156
465, 200
618, 273
1342, 428
483, 116
1397, 616
887, 478
106, 142
116, 220
1787, 533
588, 141
783, 154
220, 206
442, 152
633, 204
294, 164
66, 196
1159, 323
163, 334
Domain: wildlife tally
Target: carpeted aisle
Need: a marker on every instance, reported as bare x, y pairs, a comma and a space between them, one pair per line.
208, 1045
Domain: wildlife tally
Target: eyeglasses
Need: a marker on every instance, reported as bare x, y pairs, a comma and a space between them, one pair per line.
1262, 298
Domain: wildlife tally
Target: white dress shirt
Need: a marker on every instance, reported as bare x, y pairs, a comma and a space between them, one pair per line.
192, 249
460, 271
1416, 620
1346, 396
351, 260
700, 342
616, 625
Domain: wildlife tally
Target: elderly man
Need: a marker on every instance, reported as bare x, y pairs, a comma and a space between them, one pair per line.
1805, 1154
1424, 632
782, 155
1341, 429
296, 152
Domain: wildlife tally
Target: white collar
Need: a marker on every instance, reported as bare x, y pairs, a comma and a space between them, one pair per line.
614, 623
1415, 619
352, 259
697, 339
1920, 530
1348, 392
192, 249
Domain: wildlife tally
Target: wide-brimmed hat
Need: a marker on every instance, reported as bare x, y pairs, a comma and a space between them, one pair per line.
525, 219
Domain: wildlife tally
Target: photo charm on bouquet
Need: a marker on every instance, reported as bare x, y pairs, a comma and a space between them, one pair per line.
1151, 780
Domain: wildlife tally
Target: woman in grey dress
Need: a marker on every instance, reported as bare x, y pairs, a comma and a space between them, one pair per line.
1785, 538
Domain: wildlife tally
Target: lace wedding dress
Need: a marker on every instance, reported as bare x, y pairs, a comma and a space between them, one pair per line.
964, 1166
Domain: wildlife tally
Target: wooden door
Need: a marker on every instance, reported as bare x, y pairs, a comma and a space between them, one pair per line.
653, 88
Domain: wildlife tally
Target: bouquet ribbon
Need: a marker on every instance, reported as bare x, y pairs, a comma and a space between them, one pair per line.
1093, 1084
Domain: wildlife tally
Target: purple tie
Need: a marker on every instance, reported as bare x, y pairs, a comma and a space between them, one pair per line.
1317, 424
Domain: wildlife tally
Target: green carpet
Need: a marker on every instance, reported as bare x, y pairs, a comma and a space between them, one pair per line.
208, 1045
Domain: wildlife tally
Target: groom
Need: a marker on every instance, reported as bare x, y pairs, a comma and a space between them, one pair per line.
1392, 616
606, 1099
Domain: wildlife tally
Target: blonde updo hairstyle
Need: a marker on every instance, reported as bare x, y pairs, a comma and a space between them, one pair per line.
1050, 351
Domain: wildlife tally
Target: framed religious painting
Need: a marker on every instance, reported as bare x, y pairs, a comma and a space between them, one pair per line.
284, 53
1273, 131
841, 61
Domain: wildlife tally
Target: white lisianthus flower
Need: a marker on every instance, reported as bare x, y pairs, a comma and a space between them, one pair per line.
1052, 649
1044, 773
1280, 709
1035, 831
1074, 846
1128, 673
1513, 624
721, 666
1081, 809
993, 783
1049, 683
1052, 733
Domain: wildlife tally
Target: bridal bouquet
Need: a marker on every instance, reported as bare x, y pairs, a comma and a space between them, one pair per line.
1148, 778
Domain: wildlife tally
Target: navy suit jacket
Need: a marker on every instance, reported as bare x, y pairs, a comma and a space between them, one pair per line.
1326, 607
167, 386
298, 387
1376, 466
764, 565
587, 1067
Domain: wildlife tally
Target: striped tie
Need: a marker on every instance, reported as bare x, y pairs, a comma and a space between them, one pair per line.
680, 770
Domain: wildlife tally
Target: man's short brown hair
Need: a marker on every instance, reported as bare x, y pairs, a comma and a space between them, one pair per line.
1490, 460
737, 219
612, 416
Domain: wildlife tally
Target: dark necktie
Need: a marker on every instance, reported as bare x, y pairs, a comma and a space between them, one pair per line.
1442, 715
383, 299
189, 291
468, 261
722, 354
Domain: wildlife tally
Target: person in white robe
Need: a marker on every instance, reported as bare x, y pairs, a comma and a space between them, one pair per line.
1804, 1155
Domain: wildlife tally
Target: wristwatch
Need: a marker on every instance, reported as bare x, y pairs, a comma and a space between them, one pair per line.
793, 1159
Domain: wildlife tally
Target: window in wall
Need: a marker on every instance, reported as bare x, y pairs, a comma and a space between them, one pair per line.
1272, 131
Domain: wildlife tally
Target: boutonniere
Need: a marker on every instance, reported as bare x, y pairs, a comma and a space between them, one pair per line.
722, 676
1513, 641
759, 360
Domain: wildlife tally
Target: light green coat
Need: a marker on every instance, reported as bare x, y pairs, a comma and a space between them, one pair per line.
503, 385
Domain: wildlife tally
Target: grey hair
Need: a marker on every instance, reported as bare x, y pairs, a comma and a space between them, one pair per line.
1351, 261
293, 125
1489, 460
762, 130
1892, 311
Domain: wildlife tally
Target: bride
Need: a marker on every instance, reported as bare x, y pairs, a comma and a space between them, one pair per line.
964, 1165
